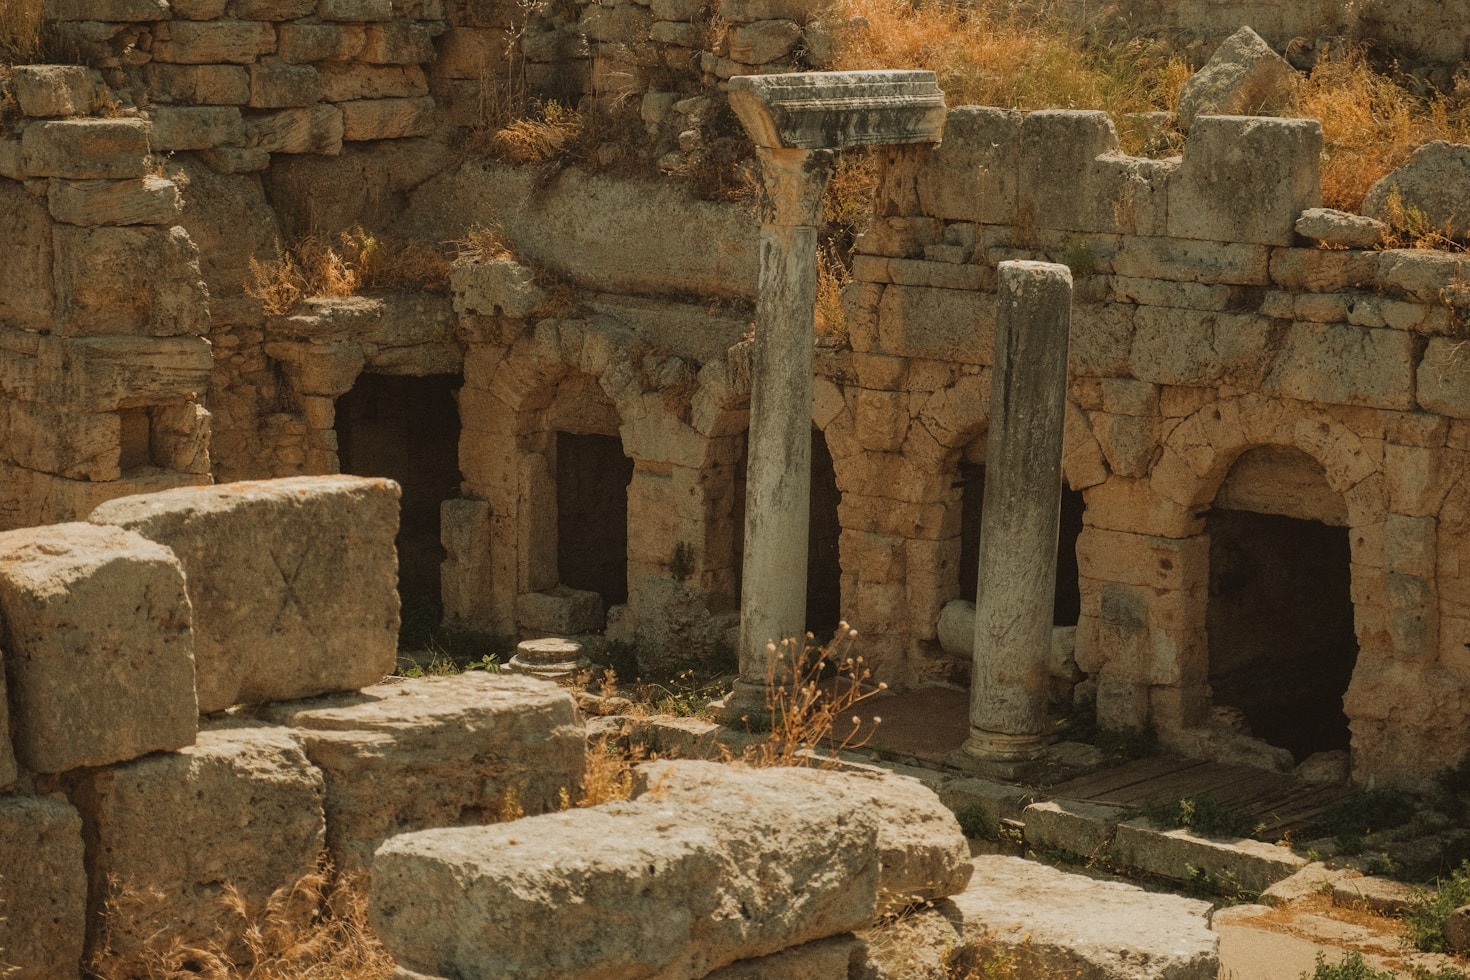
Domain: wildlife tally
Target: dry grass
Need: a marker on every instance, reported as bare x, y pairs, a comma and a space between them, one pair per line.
986, 53
546, 135
316, 929
22, 40
356, 260
1370, 124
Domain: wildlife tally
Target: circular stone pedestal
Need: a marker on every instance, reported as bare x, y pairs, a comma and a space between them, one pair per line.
549, 657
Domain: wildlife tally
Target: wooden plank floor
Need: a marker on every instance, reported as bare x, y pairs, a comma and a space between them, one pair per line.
1279, 803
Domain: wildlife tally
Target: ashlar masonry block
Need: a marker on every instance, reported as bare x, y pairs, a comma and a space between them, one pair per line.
294, 582
98, 651
43, 888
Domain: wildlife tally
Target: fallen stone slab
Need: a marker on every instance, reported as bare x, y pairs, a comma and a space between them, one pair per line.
1239, 863
1050, 923
1084, 829
654, 887
43, 889
1340, 228
98, 653
293, 582
437, 752
923, 855
1310, 880
241, 808
1383, 896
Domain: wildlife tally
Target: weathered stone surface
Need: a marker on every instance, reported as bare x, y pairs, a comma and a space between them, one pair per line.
355, 10
1344, 365
25, 240
197, 127
106, 373
199, 84
1427, 193
1444, 378
497, 286
1338, 228
1084, 829
397, 43
821, 960
274, 9
149, 201
763, 41
292, 581
133, 280
560, 612
54, 90
301, 43
685, 884
313, 129
98, 651
87, 148
438, 752
240, 808
106, 10
923, 855
43, 889
377, 119
1031, 911
281, 85
1242, 78
346, 83
187, 42
1457, 930
1382, 896
1246, 179
1178, 854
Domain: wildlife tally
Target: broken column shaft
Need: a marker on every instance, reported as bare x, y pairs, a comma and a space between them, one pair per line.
1019, 517
796, 121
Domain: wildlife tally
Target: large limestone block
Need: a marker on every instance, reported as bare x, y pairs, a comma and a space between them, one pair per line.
1344, 365
201, 127
293, 581
54, 90
766, 860
199, 84
241, 809
148, 201
1243, 77
98, 648
187, 42
1246, 179
106, 10
314, 129
377, 119
133, 280
923, 854
438, 752
107, 373
43, 889
1427, 193
1444, 378
973, 174
109, 149
27, 300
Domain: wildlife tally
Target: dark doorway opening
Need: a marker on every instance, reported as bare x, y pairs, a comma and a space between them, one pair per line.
824, 565
592, 477
407, 429
1280, 622
1067, 605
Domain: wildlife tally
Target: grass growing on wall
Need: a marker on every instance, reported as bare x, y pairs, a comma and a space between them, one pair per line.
21, 37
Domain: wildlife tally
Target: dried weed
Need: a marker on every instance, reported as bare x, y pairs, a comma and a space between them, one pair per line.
356, 260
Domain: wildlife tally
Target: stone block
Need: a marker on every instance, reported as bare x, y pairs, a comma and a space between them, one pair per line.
347, 83
274, 9
474, 53
1143, 560
972, 175
240, 809
146, 201
236, 42
282, 85
197, 127
763, 41
1186, 261
313, 129
1178, 854
43, 889
747, 11
438, 752
25, 241
107, 149
98, 647
302, 43
497, 286
293, 582
54, 90
560, 612
948, 324
464, 531
1243, 77
1444, 378
1246, 179
397, 43
1340, 229
79, 445
355, 10
809, 961
684, 885
129, 280
376, 119
1344, 365
1079, 828
107, 373
1072, 177
1203, 348
198, 84
105, 10
198, 9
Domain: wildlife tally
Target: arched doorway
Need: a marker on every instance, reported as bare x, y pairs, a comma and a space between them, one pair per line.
592, 477
1282, 646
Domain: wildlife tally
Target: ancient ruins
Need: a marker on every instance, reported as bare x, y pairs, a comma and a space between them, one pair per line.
612, 423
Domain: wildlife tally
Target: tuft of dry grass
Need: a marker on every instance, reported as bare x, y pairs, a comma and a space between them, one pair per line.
1370, 124
315, 928
832, 274
356, 260
546, 135
22, 38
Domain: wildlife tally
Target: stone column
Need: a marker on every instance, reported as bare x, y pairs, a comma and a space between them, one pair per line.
1018, 523
778, 474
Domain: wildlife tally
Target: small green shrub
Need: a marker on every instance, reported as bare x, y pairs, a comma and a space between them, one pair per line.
1202, 815
1425, 919
1350, 967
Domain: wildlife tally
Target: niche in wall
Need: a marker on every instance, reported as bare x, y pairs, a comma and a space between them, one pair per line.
592, 477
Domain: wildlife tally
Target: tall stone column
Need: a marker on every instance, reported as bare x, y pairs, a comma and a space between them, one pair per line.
1019, 518
796, 121
778, 477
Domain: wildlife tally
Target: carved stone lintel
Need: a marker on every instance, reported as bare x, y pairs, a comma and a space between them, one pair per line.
792, 182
